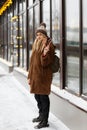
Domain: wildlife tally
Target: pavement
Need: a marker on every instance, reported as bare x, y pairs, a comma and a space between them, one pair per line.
18, 107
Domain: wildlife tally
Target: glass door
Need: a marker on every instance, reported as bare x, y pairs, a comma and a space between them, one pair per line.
72, 45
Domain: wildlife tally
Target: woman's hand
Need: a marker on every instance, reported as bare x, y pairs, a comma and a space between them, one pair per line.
46, 49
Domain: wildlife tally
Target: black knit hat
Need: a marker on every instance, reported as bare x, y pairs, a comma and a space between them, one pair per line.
42, 29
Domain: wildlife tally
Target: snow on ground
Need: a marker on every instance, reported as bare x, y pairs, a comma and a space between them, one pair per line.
18, 107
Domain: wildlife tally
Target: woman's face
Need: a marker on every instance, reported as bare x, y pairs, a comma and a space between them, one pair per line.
40, 36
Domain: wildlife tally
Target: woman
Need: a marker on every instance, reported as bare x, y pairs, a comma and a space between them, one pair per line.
40, 74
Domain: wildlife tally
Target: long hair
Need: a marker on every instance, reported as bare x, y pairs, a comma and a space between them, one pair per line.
37, 46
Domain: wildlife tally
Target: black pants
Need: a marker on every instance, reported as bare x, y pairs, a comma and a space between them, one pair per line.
43, 104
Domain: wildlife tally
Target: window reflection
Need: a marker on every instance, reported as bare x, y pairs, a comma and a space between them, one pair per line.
22, 40
14, 43
20, 6
5, 36
56, 21
55, 29
85, 47
9, 36
1, 41
24, 5
36, 10
30, 29
72, 44
33, 24
46, 15
30, 2
56, 34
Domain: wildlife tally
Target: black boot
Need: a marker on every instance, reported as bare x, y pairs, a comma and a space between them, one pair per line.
37, 119
42, 124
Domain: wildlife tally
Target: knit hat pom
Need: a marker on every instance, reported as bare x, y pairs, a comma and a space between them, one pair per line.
43, 24
42, 29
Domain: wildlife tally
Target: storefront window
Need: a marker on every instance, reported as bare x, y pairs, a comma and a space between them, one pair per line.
30, 29
24, 5
14, 40
56, 34
33, 24
22, 41
30, 2
46, 14
1, 38
56, 21
36, 17
9, 36
5, 37
13, 34
72, 45
84, 47
20, 6
15, 8
55, 28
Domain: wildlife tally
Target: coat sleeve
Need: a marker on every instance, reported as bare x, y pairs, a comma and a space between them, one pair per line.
48, 58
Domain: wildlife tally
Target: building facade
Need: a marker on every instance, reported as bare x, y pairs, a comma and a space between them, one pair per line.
66, 22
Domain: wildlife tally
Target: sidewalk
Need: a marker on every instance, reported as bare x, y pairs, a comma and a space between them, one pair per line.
18, 107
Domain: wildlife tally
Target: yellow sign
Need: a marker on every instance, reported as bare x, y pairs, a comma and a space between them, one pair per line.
5, 5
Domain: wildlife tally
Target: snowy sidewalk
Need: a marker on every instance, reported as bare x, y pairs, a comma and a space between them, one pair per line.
18, 106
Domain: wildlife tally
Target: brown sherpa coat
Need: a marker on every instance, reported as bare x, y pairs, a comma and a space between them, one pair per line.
40, 72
